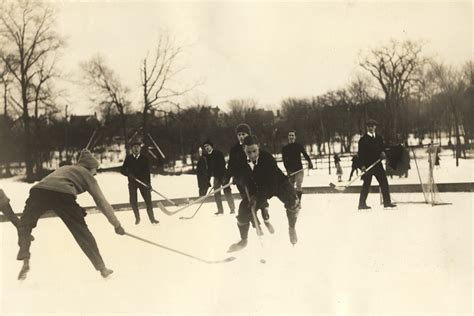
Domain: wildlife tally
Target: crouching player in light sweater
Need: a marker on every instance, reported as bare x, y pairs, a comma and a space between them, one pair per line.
57, 192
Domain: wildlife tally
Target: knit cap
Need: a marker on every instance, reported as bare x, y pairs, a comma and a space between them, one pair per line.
243, 128
87, 160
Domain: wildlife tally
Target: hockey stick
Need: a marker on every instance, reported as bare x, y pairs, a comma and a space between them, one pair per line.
134, 134
202, 198
342, 188
228, 259
156, 146
192, 216
255, 221
91, 138
295, 173
149, 187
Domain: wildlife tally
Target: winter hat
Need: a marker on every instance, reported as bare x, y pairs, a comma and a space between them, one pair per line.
243, 128
371, 122
208, 142
136, 141
251, 140
87, 160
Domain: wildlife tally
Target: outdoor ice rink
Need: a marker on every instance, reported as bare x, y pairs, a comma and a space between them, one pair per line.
414, 260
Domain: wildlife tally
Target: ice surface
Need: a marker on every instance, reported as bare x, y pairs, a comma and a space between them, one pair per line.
416, 259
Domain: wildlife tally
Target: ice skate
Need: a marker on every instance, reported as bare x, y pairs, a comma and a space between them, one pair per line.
24, 269
238, 246
293, 236
105, 273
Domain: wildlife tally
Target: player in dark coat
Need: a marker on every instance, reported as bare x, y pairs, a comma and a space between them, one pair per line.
217, 170
263, 180
291, 154
237, 168
202, 173
371, 148
136, 166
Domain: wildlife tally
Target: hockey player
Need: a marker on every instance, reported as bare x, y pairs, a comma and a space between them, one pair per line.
202, 173
57, 192
291, 154
237, 167
136, 166
371, 148
263, 180
217, 170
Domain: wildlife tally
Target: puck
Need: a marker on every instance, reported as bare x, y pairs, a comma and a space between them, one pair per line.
263, 261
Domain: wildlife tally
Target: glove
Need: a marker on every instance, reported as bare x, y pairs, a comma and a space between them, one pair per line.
310, 165
363, 168
383, 155
119, 230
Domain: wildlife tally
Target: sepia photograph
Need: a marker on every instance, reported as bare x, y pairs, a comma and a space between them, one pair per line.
236, 157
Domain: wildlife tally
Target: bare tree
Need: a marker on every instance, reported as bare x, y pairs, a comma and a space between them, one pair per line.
5, 81
107, 89
396, 66
158, 74
451, 85
27, 41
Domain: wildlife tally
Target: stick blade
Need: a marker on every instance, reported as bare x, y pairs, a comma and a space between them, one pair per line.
337, 188
163, 209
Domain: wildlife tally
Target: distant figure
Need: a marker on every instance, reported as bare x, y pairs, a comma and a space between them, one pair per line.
202, 173
405, 162
136, 166
337, 162
291, 154
437, 158
58, 192
355, 166
217, 170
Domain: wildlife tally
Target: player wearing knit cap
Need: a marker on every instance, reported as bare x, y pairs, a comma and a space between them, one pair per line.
57, 192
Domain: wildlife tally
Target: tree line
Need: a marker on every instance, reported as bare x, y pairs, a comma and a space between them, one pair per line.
407, 91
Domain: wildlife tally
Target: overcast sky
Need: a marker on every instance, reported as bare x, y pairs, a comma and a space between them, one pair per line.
262, 50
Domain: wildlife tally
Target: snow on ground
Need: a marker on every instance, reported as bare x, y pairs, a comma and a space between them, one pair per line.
413, 260
115, 187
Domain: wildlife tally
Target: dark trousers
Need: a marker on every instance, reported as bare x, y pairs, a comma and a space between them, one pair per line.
6, 209
352, 172
218, 182
66, 207
285, 193
202, 191
263, 205
381, 177
146, 194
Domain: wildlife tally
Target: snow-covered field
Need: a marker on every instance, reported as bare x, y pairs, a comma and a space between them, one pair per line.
414, 260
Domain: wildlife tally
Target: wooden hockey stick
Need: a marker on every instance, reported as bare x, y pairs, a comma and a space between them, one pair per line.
192, 216
156, 146
91, 138
342, 188
202, 198
228, 259
149, 187
296, 172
